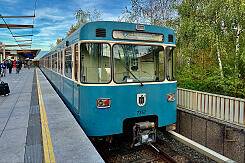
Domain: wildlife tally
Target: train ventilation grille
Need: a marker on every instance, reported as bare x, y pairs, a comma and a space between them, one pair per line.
100, 32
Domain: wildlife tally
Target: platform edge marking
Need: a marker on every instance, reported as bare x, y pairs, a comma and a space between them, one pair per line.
47, 143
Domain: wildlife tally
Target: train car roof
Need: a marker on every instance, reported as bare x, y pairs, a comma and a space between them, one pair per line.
88, 32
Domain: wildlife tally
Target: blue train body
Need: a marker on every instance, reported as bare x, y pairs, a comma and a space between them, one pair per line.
81, 97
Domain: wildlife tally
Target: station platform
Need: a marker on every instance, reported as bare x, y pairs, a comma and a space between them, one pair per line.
36, 126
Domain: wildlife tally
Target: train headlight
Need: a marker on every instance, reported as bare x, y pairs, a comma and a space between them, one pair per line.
103, 103
171, 97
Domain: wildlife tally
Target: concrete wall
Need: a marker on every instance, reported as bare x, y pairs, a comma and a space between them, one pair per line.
222, 137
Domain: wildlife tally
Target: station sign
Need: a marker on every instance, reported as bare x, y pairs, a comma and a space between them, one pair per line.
13, 52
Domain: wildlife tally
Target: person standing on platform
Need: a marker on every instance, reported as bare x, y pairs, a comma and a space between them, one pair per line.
20, 64
28, 64
4, 66
10, 66
0, 69
17, 66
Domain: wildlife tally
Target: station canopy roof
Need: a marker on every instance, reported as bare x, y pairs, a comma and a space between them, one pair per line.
25, 53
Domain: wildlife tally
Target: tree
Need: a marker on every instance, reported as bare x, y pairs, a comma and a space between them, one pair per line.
210, 40
51, 46
59, 41
72, 29
156, 12
85, 16
82, 17
213, 26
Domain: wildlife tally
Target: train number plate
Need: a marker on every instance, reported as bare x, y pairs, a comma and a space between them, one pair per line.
141, 112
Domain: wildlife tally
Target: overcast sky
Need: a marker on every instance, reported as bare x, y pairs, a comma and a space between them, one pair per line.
53, 18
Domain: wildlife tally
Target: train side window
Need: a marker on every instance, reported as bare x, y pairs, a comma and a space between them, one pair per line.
76, 62
54, 62
68, 62
170, 67
45, 62
49, 62
61, 62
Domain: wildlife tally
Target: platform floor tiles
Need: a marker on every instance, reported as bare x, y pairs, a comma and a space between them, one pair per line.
20, 125
14, 115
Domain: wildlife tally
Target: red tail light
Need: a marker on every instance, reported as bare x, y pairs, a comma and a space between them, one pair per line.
103, 103
171, 97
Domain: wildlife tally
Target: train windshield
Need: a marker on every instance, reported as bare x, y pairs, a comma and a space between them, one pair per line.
95, 63
138, 63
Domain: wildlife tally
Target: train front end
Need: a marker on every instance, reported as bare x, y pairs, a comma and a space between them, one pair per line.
128, 82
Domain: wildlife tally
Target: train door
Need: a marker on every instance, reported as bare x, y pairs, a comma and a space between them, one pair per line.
76, 97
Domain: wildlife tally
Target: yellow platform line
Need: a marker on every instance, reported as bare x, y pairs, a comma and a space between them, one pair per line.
47, 143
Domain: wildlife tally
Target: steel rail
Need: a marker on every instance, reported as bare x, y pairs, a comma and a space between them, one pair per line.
163, 155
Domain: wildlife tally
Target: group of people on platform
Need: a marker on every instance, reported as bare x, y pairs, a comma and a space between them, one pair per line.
9, 64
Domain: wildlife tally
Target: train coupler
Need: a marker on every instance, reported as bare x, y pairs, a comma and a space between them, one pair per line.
143, 133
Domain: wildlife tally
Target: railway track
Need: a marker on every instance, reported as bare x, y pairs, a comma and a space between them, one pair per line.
144, 153
166, 150
160, 152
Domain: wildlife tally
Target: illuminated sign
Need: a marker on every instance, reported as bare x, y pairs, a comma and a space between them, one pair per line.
138, 36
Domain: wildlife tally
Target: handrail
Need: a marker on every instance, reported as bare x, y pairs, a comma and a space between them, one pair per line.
225, 108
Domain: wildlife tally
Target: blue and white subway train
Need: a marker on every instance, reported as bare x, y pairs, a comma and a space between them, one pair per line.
116, 76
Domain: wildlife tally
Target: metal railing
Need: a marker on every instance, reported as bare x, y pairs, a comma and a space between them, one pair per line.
225, 108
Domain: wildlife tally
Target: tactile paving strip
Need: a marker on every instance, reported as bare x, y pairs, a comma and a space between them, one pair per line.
33, 148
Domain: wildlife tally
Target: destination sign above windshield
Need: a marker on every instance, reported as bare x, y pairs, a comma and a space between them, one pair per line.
137, 36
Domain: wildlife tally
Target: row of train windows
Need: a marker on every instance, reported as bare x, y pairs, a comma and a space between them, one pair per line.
55, 62
132, 63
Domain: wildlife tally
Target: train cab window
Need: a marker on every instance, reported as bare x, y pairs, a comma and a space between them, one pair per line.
76, 62
68, 62
138, 63
95, 63
170, 61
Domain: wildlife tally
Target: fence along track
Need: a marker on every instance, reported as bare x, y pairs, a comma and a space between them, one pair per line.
225, 108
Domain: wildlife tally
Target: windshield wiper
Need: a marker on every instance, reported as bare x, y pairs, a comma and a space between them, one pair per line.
130, 71
134, 76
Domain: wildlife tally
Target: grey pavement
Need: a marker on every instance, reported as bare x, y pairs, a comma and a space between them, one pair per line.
14, 115
70, 144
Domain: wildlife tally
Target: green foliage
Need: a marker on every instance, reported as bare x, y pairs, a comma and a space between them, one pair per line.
209, 28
